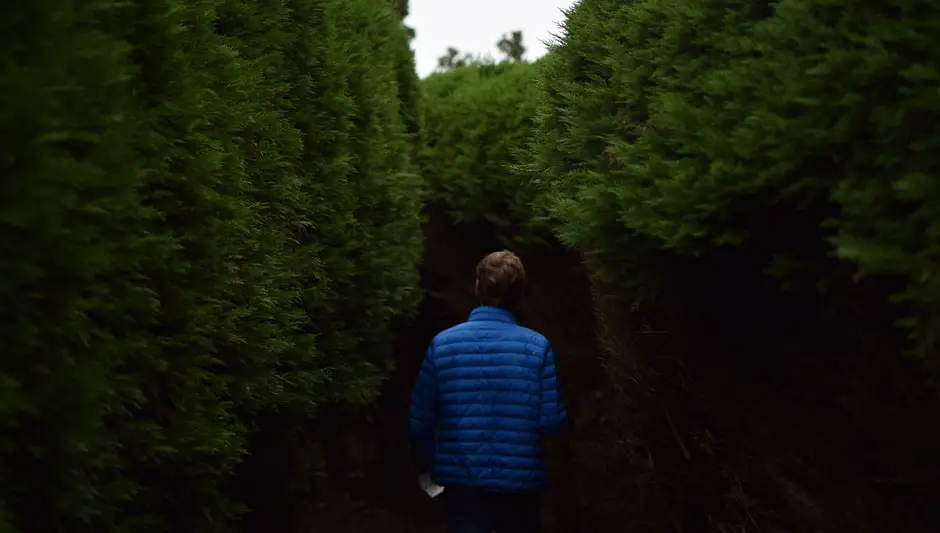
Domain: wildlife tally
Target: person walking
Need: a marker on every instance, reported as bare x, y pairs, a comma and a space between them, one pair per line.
486, 395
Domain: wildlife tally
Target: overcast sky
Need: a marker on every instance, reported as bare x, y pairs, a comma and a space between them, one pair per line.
476, 25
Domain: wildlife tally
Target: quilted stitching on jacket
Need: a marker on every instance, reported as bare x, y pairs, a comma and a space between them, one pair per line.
488, 390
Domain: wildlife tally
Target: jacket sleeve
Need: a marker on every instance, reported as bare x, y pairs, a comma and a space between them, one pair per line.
553, 409
422, 414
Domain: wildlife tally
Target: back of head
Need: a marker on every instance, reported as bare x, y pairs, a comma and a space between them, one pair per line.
500, 280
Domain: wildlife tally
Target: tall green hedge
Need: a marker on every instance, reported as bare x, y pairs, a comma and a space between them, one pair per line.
208, 209
476, 119
689, 126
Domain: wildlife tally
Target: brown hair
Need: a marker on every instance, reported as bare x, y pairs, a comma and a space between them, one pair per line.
500, 280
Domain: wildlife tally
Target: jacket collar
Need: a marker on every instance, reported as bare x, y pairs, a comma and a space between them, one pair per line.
492, 314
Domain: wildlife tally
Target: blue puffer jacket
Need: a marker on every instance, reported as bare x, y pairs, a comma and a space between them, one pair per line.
488, 388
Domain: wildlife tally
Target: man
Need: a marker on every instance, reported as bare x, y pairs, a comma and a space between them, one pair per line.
485, 396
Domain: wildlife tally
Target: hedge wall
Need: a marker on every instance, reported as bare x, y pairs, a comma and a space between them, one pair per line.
476, 119
799, 126
208, 209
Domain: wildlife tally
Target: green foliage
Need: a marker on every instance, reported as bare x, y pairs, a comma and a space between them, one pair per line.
208, 209
682, 125
401, 6
475, 119
409, 93
372, 254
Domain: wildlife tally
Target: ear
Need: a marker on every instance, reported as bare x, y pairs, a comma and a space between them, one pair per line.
476, 287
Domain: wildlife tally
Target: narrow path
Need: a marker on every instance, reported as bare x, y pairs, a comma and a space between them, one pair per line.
687, 432
387, 498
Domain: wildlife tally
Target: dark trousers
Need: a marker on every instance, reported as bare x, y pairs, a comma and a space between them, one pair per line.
476, 511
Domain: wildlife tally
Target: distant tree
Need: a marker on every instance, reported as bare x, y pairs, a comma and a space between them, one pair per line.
449, 61
511, 45
453, 59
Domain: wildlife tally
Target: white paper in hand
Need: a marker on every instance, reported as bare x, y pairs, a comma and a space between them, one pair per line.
430, 487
